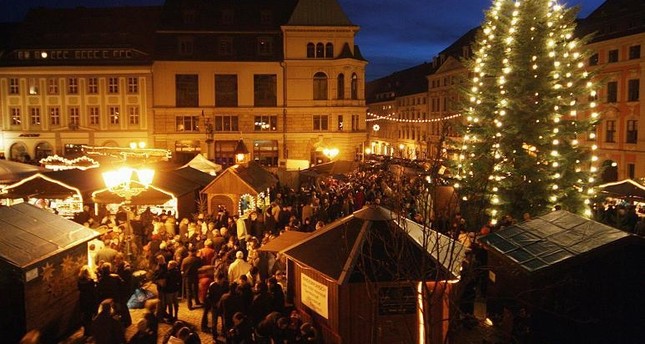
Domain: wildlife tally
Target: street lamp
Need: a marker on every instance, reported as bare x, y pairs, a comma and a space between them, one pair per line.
330, 153
240, 151
122, 183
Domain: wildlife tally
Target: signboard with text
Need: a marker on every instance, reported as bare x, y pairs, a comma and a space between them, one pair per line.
314, 295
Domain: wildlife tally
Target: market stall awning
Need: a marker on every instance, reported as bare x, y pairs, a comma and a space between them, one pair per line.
202, 164
284, 241
11, 171
39, 186
151, 196
624, 189
239, 179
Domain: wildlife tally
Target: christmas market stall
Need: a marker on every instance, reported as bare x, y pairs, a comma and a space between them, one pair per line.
360, 280
562, 278
200, 163
40, 257
63, 191
240, 188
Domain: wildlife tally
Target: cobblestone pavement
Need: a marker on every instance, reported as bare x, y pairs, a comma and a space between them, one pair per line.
193, 317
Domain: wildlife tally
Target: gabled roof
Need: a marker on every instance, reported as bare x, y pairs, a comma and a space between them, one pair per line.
627, 188
11, 171
405, 82
195, 176
30, 234
199, 162
613, 19
365, 245
553, 239
252, 175
319, 13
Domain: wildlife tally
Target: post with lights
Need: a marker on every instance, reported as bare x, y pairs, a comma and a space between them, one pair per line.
241, 152
530, 101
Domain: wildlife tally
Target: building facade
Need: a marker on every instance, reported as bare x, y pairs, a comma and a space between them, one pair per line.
285, 77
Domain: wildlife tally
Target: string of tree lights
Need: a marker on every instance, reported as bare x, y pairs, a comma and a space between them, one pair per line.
521, 151
404, 120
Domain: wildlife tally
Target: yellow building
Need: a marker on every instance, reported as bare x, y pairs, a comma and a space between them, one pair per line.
193, 77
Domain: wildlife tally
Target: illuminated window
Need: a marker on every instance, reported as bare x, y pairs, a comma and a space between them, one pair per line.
15, 116
113, 85
265, 123
92, 85
114, 113
72, 86
187, 123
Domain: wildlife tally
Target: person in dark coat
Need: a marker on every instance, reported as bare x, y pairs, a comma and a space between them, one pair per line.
160, 279
242, 332
261, 304
172, 289
190, 272
124, 270
106, 329
215, 291
87, 298
230, 303
111, 286
143, 335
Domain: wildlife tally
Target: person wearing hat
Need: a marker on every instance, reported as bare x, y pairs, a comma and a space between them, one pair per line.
239, 267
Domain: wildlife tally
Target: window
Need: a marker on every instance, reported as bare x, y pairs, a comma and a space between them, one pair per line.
92, 85
54, 116
113, 85
133, 85
265, 90
226, 123
634, 52
187, 90
340, 86
612, 92
612, 56
226, 90
329, 50
15, 116
72, 86
225, 46
114, 115
265, 153
354, 86
340, 122
187, 123
311, 50
320, 86
631, 171
633, 90
265, 123
34, 115
632, 131
186, 45
33, 87
321, 122
52, 86
265, 46
320, 50
133, 115
94, 115
610, 131
74, 116
355, 124
14, 86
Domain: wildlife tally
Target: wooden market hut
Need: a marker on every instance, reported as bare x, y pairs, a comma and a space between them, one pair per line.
238, 187
562, 278
40, 257
358, 279
13, 171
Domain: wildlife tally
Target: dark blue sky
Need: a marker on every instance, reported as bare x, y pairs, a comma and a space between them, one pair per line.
394, 35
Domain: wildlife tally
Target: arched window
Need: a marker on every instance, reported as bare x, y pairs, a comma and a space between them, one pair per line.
320, 50
18, 152
311, 50
354, 86
329, 50
341, 86
320, 86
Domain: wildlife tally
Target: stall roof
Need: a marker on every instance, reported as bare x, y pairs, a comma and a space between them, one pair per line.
333, 168
284, 241
252, 174
194, 175
552, 239
31, 234
362, 246
11, 171
151, 195
627, 188
202, 164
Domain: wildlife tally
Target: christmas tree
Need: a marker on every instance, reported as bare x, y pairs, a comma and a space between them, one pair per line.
530, 115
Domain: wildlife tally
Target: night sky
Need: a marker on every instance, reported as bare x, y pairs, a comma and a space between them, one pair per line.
394, 35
